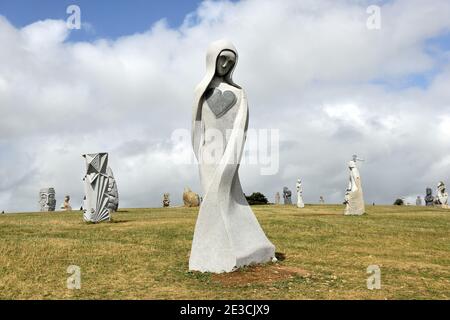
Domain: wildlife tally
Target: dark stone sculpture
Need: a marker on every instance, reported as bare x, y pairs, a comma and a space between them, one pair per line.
429, 199
287, 195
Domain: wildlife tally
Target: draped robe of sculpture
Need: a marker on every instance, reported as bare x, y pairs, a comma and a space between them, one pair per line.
96, 180
227, 234
300, 203
113, 193
354, 196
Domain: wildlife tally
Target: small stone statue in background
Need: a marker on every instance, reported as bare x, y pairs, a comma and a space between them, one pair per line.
277, 198
418, 201
66, 205
429, 199
321, 200
47, 199
300, 203
287, 195
190, 198
442, 195
166, 200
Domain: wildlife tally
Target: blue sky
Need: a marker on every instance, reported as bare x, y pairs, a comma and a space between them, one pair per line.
110, 19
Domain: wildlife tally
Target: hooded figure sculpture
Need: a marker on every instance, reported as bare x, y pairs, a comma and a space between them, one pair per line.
354, 202
227, 234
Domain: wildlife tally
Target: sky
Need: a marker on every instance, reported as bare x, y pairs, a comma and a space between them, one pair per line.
320, 81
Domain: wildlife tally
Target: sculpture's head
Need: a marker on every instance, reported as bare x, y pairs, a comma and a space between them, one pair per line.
429, 191
67, 198
225, 62
441, 186
221, 59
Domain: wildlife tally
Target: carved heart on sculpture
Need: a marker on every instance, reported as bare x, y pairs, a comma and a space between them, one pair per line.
220, 102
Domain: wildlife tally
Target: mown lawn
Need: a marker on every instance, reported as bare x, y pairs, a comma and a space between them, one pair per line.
144, 254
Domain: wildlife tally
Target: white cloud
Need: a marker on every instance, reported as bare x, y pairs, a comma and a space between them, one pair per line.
310, 68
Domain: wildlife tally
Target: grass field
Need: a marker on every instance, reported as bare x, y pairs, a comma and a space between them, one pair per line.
144, 254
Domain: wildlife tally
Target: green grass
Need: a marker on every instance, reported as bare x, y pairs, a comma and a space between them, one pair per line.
144, 254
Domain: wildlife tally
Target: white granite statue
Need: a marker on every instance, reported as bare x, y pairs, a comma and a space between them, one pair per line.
47, 199
300, 203
442, 195
354, 201
227, 234
96, 181
112, 192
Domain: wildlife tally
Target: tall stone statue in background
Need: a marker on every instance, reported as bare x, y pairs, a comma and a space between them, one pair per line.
300, 202
287, 194
96, 181
227, 234
321, 200
354, 201
66, 205
429, 199
112, 192
47, 199
442, 195
418, 201
277, 198
190, 198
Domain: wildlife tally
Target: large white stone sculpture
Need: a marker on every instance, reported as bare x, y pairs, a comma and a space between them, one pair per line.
113, 193
300, 203
96, 181
354, 202
227, 234
47, 199
442, 195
